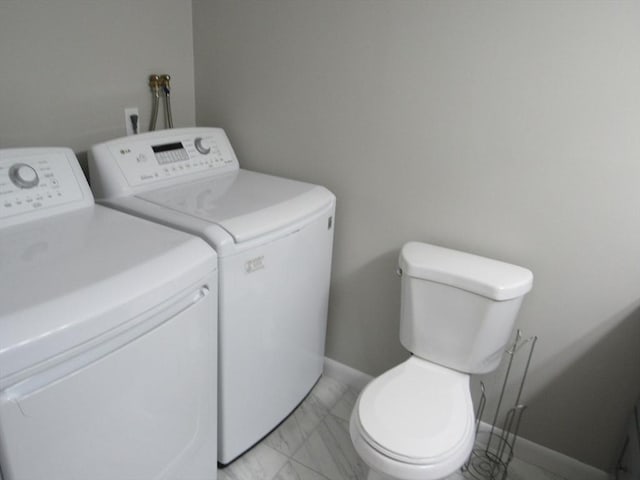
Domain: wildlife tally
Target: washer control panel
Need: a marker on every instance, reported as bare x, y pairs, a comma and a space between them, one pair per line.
37, 179
151, 158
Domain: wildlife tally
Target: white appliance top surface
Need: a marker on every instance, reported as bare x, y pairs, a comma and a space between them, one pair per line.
193, 173
71, 277
246, 204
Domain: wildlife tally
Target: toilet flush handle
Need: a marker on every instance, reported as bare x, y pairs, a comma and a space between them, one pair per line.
399, 272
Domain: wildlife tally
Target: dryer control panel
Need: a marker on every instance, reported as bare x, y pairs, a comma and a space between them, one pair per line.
35, 179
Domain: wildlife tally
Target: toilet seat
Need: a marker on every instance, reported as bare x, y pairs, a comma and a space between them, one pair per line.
416, 419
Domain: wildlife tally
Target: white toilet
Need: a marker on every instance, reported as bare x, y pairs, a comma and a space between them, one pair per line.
416, 421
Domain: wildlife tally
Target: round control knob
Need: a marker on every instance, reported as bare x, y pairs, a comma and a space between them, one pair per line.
201, 146
23, 175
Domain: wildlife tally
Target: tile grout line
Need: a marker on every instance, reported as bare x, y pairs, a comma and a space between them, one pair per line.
324, 416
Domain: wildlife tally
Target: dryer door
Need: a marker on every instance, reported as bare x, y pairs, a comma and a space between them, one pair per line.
139, 404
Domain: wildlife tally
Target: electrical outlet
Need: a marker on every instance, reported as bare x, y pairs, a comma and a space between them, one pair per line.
132, 120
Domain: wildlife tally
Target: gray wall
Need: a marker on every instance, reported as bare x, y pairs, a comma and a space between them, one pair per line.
68, 68
507, 129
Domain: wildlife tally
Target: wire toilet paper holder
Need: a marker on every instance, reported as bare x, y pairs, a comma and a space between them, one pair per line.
494, 447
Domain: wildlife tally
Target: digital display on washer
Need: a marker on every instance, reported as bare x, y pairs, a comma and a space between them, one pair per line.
170, 153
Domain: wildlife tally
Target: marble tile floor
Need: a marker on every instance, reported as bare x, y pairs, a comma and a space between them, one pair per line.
313, 443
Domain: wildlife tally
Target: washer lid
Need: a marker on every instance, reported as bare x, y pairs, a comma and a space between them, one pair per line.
417, 412
246, 204
69, 279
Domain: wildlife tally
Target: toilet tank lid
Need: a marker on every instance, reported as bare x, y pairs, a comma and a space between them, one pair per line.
490, 278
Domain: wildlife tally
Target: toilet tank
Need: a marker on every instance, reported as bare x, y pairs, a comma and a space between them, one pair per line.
458, 309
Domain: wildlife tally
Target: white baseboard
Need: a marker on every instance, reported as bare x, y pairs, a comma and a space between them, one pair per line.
528, 451
556, 462
345, 374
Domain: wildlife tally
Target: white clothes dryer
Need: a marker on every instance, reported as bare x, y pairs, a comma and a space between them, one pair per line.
107, 334
274, 241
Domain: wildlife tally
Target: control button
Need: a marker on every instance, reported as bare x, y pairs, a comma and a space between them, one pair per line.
201, 146
23, 175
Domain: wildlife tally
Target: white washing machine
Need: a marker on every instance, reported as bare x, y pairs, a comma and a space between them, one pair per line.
274, 241
107, 334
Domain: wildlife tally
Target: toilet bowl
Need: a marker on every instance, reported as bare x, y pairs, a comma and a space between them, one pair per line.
416, 421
